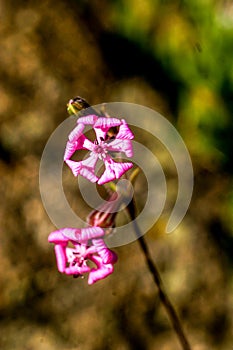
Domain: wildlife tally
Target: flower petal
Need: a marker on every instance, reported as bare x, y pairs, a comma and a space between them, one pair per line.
60, 257
76, 133
89, 119
77, 270
70, 233
120, 145
72, 147
91, 161
124, 131
101, 272
86, 167
106, 123
88, 233
100, 134
74, 166
87, 144
107, 255
89, 175
57, 237
113, 171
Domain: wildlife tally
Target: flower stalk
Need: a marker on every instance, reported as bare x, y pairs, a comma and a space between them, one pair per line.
75, 248
170, 309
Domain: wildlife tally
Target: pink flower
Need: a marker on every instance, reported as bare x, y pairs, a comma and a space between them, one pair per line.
86, 246
103, 148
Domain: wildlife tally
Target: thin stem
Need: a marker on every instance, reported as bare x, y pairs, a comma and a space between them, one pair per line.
173, 316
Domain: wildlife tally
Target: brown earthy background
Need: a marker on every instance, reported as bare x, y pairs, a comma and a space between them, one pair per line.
174, 57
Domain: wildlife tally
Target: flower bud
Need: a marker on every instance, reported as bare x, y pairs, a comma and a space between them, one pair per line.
104, 216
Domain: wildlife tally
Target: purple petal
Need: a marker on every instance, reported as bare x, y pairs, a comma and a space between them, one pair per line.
76, 132
113, 171
71, 233
124, 131
118, 145
100, 134
121, 168
57, 238
87, 144
108, 175
88, 233
89, 175
77, 270
72, 147
89, 119
60, 257
74, 166
86, 167
106, 123
107, 255
100, 273
91, 161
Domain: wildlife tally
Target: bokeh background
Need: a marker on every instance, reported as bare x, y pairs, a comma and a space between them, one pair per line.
174, 57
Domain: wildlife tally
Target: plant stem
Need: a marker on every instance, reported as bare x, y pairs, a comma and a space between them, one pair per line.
173, 316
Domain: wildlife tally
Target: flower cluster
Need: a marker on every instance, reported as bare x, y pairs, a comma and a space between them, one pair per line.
77, 249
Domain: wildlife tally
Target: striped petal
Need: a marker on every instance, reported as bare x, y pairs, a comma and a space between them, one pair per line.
85, 234
124, 146
72, 147
70, 233
57, 237
106, 123
86, 167
113, 171
60, 257
124, 131
101, 272
107, 255
77, 270
76, 133
100, 134
88, 120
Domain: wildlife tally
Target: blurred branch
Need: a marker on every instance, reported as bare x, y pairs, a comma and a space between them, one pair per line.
172, 314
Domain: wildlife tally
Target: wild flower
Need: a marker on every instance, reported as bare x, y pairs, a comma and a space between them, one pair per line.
113, 136
76, 248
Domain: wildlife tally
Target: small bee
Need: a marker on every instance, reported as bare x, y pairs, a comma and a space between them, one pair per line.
77, 104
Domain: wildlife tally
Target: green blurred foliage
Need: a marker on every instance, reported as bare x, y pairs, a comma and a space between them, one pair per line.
193, 41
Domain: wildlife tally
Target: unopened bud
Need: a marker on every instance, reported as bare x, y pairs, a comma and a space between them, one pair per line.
104, 216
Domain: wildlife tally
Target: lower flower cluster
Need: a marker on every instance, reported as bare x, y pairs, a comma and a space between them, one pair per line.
76, 249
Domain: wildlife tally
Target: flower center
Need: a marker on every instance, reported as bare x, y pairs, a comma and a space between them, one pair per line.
101, 149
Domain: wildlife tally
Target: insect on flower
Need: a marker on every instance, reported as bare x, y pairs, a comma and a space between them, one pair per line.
76, 104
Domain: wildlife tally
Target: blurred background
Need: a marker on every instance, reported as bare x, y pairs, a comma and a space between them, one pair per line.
174, 57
